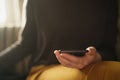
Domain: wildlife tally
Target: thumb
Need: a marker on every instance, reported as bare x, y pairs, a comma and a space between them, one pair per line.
91, 51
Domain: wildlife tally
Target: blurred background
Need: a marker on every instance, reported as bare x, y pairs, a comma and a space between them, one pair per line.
10, 21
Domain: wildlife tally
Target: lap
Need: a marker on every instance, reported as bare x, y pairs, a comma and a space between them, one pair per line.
107, 70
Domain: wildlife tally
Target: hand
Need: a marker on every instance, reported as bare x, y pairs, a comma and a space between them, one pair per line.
78, 62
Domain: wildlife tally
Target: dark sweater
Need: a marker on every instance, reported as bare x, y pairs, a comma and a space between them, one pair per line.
64, 24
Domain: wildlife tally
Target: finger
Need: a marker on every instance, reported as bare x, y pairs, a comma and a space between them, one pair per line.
65, 62
91, 51
62, 60
91, 55
73, 61
57, 54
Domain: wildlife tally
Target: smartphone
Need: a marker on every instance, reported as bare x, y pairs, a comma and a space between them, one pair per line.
74, 52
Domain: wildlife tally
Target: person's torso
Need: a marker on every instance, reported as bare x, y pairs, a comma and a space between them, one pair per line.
68, 24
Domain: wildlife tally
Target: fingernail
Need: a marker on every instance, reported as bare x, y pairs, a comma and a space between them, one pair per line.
61, 54
55, 51
88, 49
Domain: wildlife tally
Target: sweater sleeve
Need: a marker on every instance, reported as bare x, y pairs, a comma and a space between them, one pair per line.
107, 49
24, 46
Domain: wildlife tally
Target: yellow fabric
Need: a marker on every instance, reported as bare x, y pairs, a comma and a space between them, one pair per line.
107, 70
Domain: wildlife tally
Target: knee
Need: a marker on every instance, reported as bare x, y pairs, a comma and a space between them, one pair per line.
61, 73
107, 70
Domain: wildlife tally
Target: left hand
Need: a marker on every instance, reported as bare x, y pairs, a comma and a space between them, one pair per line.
68, 60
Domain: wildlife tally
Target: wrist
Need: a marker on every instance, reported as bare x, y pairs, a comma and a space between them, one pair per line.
98, 56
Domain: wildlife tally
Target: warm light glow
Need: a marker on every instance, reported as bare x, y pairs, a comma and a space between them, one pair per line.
2, 12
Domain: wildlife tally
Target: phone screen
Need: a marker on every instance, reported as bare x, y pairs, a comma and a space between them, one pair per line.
74, 52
